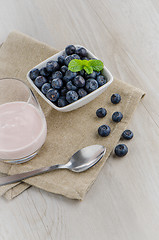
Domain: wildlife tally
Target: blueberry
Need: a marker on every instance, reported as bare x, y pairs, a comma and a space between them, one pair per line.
101, 112
70, 49
75, 56
91, 85
79, 81
52, 66
56, 83
34, 73
52, 95
70, 86
69, 76
44, 72
45, 87
61, 59
104, 130
63, 91
127, 134
57, 74
121, 150
85, 58
39, 81
63, 69
115, 98
82, 52
62, 102
49, 78
82, 73
82, 92
101, 80
117, 116
67, 60
71, 96
98, 73
92, 75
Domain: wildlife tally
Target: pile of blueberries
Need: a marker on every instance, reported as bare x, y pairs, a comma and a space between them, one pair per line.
62, 86
104, 130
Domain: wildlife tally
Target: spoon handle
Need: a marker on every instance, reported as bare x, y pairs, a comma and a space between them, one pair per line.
21, 176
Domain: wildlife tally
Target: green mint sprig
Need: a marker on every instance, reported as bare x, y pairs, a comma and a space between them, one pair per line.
89, 66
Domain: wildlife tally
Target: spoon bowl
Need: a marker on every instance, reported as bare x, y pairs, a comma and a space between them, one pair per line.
86, 158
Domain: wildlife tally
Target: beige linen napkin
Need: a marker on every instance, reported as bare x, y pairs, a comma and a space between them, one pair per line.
67, 132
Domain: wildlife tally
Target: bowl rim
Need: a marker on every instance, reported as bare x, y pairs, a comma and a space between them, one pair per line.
67, 107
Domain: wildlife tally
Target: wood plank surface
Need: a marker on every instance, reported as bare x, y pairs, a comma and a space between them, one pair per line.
123, 203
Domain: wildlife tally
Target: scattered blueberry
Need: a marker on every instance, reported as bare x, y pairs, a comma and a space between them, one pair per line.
63, 91
91, 85
104, 130
57, 74
79, 81
61, 59
127, 134
67, 60
115, 98
117, 116
82, 92
45, 87
81, 52
34, 73
63, 69
70, 49
70, 86
57, 83
62, 102
71, 96
52, 95
121, 150
101, 112
69, 76
75, 56
52, 66
92, 75
39, 81
101, 80
44, 72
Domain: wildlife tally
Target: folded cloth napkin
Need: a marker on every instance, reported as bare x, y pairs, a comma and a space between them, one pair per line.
67, 132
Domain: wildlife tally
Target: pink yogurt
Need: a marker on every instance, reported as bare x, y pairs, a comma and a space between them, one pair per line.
22, 130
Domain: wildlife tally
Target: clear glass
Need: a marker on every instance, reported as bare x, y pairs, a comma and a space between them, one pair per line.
23, 126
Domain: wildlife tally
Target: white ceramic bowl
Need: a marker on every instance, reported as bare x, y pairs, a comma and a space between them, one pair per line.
81, 101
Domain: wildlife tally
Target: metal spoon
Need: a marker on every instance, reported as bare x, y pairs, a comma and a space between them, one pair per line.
79, 162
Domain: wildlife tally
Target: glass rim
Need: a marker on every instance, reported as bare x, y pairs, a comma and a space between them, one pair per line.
21, 81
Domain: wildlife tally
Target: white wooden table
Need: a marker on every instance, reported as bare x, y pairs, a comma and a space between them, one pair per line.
123, 204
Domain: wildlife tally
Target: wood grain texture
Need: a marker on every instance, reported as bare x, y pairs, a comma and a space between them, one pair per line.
124, 201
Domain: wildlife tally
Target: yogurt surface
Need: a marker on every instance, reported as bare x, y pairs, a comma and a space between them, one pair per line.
22, 130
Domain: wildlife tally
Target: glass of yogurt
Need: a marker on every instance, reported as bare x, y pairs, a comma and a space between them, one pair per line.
23, 126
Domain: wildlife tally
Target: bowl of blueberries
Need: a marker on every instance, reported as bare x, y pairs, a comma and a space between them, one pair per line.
64, 89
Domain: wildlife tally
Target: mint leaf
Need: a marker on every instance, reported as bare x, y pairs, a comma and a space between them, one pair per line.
88, 69
75, 65
85, 63
97, 65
